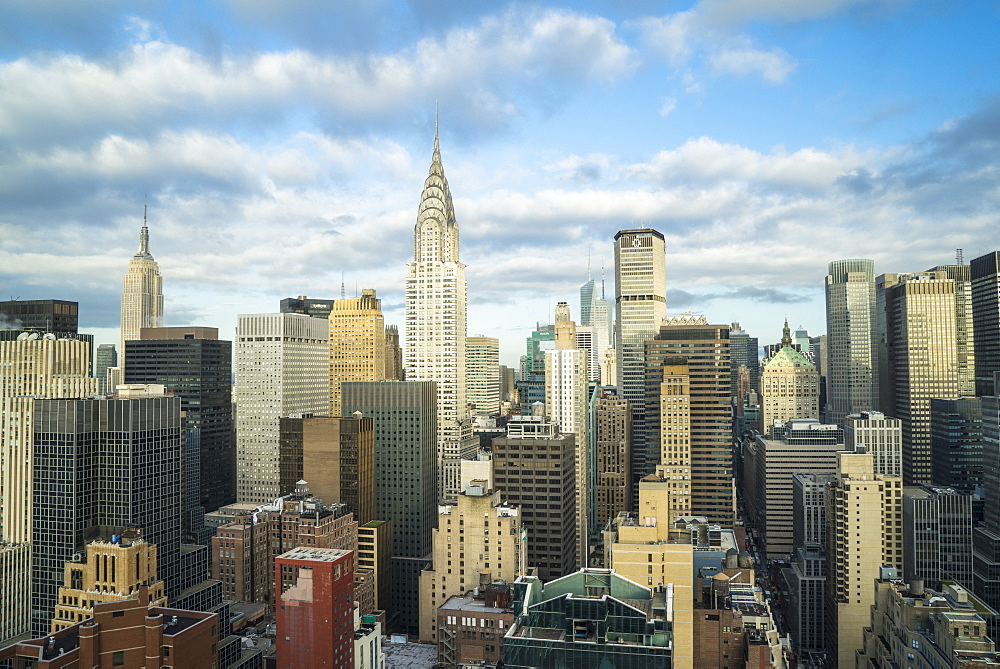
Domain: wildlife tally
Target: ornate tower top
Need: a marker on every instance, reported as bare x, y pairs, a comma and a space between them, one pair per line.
786, 335
435, 236
143, 252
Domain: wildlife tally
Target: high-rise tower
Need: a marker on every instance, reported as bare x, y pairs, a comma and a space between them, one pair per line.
985, 272
640, 305
850, 327
357, 343
142, 292
436, 320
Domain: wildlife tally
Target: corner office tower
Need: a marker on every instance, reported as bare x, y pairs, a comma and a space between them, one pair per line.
436, 322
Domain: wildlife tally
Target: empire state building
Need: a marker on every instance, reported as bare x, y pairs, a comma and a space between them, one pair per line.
436, 322
142, 293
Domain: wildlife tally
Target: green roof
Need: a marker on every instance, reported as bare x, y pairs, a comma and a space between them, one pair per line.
788, 355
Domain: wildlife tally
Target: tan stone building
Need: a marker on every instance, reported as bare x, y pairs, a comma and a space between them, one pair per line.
864, 532
476, 542
357, 343
643, 548
675, 435
789, 386
142, 294
375, 553
612, 430
471, 627
112, 572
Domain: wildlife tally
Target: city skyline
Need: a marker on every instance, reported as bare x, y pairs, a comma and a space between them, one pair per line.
282, 149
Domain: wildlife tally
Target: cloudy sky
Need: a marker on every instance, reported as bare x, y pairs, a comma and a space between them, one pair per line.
282, 145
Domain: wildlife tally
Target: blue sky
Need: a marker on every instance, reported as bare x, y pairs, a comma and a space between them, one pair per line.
282, 145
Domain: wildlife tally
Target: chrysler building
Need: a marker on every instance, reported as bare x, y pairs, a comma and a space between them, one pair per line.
436, 322
142, 293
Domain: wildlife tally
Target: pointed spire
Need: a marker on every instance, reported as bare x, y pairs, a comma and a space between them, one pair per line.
786, 334
143, 251
589, 275
602, 279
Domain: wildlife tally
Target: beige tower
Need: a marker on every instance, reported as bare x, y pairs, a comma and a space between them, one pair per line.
112, 572
612, 425
32, 369
789, 386
918, 358
644, 549
862, 536
357, 343
482, 369
476, 541
142, 293
566, 403
675, 435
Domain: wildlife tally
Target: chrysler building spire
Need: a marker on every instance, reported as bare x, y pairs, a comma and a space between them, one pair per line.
436, 320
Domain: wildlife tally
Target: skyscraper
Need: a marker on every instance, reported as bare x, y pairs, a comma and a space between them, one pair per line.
789, 386
482, 370
705, 347
611, 423
357, 343
640, 305
142, 292
197, 366
879, 435
102, 466
985, 279
405, 414
964, 328
436, 321
919, 351
743, 353
566, 404
106, 356
597, 313
850, 327
282, 368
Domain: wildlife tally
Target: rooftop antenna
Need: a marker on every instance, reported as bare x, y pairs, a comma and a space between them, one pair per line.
602, 278
959, 258
589, 277
342, 288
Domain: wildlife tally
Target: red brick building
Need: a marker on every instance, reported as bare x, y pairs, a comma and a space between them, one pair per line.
127, 633
315, 610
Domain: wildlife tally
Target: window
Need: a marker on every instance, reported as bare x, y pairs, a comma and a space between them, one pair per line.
118, 658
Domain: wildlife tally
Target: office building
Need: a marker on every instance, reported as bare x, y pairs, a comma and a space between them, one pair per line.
806, 576
957, 443
743, 353
405, 415
142, 292
534, 467
357, 343
105, 357
436, 322
112, 571
640, 307
282, 369
308, 306
611, 424
913, 625
482, 369
393, 355
961, 276
919, 352
243, 551
471, 626
706, 348
15, 591
197, 367
335, 456
476, 542
986, 535
862, 537
566, 403
985, 289
56, 316
799, 447
589, 617
596, 324
315, 616
852, 378
137, 443
129, 633
675, 436
375, 553
937, 531
789, 386
645, 548
880, 435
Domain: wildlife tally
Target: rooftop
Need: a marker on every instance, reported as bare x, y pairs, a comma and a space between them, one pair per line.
314, 554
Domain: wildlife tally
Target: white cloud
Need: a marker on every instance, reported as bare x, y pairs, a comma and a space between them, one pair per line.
667, 105
774, 65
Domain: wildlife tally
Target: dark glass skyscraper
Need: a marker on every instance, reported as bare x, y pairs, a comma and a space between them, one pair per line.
101, 467
197, 366
986, 321
405, 414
